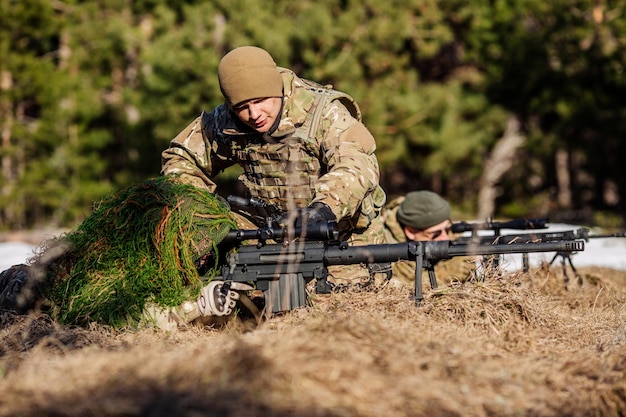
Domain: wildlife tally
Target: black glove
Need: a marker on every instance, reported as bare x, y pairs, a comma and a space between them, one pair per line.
315, 213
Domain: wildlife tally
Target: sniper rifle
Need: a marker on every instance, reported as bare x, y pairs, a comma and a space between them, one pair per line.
282, 270
495, 227
582, 233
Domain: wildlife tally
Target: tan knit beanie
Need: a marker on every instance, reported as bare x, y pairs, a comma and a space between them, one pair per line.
248, 72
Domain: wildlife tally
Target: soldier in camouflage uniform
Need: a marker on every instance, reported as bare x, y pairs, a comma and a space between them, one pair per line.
418, 216
302, 147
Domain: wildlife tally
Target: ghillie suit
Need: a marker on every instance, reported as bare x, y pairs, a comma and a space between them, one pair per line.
141, 247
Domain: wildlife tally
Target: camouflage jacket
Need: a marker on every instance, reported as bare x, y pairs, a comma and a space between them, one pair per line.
402, 271
393, 230
320, 152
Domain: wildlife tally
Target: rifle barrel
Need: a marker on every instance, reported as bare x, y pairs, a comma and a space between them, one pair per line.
433, 251
621, 234
530, 247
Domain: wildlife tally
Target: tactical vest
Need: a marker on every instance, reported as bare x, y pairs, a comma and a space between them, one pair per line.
394, 232
281, 173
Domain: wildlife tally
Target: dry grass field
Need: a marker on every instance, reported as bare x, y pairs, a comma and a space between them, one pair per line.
514, 345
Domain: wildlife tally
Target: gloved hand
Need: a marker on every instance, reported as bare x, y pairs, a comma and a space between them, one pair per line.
315, 213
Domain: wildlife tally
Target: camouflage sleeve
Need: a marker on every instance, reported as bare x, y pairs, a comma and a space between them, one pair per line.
191, 155
352, 168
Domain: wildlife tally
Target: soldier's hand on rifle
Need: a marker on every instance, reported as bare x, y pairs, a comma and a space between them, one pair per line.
315, 213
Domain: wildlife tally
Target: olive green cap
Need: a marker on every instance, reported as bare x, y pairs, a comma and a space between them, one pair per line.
423, 209
248, 72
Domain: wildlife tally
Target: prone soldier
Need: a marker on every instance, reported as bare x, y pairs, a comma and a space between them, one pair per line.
417, 216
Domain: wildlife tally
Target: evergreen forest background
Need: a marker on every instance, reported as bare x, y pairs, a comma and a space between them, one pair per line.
511, 108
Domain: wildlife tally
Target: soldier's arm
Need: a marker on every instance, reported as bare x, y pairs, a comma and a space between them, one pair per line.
190, 155
352, 168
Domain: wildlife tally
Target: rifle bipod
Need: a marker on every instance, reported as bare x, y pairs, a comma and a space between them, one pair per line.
566, 259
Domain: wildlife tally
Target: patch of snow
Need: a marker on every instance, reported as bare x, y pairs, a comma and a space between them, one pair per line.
13, 253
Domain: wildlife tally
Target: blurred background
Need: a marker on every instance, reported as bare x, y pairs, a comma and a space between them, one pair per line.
507, 109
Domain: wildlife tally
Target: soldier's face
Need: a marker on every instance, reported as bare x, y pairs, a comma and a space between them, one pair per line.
260, 114
439, 231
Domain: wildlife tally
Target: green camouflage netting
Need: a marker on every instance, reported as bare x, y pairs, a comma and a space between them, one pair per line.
138, 246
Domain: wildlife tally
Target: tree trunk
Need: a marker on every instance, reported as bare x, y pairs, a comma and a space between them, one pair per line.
497, 164
564, 190
6, 164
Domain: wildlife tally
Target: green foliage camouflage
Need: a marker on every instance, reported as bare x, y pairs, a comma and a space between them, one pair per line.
140, 245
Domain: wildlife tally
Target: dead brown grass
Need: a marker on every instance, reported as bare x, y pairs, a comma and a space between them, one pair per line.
515, 345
